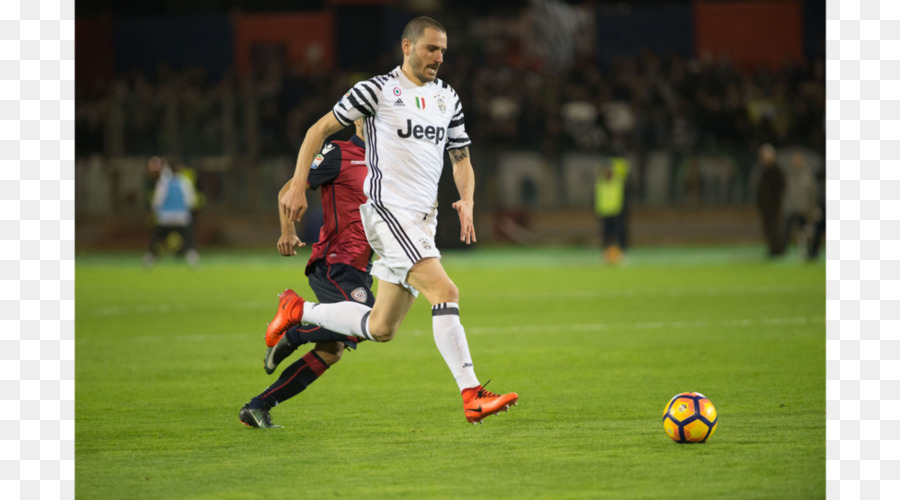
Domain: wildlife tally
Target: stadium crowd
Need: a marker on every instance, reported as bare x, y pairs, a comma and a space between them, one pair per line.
516, 98
646, 101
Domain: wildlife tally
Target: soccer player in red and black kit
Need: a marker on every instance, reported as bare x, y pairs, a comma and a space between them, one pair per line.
338, 270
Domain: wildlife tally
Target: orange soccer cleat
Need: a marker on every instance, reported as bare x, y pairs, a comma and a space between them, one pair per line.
290, 312
480, 403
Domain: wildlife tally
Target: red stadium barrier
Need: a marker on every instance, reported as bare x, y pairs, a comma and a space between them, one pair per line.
750, 32
306, 39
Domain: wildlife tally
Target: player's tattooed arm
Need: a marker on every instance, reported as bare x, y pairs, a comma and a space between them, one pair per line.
459, 154
464, 177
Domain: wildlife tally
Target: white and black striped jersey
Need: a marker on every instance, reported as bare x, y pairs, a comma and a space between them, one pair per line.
407, 130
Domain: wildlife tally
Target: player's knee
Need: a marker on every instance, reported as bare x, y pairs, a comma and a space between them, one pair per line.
449, 293
387, 337
383, 334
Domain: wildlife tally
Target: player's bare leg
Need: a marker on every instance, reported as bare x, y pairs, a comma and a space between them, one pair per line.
429, 277
392, 304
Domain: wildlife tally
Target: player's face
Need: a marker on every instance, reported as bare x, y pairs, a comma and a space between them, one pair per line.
427, 54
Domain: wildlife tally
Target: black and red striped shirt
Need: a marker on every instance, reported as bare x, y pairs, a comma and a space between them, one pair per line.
340, 170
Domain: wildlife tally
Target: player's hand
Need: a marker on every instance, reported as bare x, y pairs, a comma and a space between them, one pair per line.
288, 243
293, 203
466, 223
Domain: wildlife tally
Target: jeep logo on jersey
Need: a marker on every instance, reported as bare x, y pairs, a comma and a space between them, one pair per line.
434, 134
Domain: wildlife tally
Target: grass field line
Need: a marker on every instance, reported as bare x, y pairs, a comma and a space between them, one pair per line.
667, 292
645, 325
170, 308
573, 294
555, 327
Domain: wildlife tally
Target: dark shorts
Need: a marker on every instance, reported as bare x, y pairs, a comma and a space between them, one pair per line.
340, 282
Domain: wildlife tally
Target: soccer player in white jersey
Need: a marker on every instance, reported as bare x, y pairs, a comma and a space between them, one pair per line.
411, 118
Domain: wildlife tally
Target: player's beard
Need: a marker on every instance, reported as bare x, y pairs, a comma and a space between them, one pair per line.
418, 68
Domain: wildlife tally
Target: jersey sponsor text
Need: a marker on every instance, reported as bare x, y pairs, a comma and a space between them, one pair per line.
434, 134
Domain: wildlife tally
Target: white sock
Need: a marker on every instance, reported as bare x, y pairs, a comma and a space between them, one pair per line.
450, 337
348, 318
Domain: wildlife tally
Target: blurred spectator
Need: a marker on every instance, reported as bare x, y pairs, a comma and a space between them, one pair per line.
769, 196
173, 200
610, 206
801, 207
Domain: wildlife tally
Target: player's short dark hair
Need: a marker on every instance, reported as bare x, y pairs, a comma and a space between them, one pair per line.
415, 28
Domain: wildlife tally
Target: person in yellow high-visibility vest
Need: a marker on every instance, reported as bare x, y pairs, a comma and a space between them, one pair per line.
611, 208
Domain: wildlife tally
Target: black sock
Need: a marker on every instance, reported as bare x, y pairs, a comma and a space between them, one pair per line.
293, 380
298, 335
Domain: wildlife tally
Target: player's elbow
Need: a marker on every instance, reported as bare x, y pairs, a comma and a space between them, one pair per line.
315, 134
323, 128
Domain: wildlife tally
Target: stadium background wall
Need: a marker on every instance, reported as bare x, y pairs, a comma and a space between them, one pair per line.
227, 87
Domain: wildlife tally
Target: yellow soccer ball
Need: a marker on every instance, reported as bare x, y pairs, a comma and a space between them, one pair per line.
690, 417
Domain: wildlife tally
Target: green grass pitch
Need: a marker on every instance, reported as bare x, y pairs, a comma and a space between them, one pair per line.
165, 359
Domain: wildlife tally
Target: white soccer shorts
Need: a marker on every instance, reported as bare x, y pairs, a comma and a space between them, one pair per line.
401, 238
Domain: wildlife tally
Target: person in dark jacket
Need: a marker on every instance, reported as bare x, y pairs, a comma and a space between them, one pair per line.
769, 199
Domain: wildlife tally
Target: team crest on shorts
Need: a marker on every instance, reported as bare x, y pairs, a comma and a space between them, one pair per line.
359, 295
425, 243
